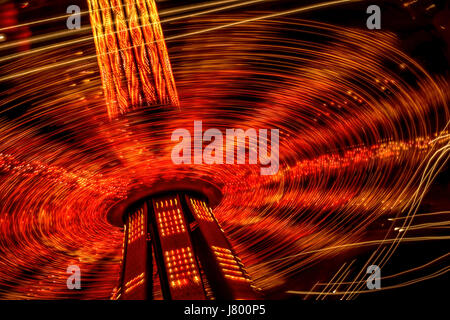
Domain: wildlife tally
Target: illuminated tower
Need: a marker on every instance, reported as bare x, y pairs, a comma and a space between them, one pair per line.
169, 225
175, 225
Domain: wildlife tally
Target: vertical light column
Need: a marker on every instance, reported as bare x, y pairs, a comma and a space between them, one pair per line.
132, 55
226, 272
176, 250
138, 260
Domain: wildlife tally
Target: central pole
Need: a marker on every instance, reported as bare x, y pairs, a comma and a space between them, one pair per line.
168, 225
132, 55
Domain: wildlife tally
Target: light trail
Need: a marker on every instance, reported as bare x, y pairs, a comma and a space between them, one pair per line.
163, 13
283, 13
90, 38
